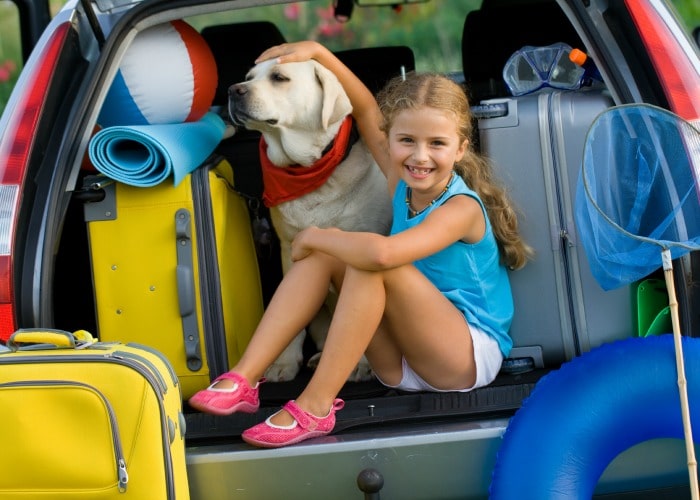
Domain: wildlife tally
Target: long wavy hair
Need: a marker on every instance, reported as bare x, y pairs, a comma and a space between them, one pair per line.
439, 92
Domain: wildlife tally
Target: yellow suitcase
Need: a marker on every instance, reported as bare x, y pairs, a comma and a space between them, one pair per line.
90, 421
174, 267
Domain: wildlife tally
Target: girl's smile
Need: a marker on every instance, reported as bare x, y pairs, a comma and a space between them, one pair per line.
417, 172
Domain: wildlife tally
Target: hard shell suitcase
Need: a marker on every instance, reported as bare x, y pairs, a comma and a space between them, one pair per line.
174, 267
536, 144
83, 420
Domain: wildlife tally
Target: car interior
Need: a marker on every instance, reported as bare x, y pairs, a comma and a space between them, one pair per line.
500, 27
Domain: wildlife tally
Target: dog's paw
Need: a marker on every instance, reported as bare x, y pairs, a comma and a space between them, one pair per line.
361, 373
313, 361
281, 372
287, 364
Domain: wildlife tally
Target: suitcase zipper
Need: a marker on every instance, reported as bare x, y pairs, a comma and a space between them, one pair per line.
157, 377
162, 357
122, 473
559, 163
131, 360
156, 381
212, 316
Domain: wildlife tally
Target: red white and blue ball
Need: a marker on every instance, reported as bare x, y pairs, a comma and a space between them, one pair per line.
168, 75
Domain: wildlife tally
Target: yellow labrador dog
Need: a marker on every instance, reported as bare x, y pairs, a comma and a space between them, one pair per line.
316, 170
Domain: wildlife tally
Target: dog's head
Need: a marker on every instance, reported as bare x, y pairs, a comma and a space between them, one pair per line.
298, 107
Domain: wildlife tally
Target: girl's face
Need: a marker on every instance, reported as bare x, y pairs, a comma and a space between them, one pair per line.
424, 143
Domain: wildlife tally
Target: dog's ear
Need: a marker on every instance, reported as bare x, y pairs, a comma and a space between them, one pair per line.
336, 104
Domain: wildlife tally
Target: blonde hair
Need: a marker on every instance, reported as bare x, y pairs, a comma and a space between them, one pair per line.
439, 92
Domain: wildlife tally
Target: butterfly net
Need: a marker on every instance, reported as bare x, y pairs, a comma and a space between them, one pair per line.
638, 192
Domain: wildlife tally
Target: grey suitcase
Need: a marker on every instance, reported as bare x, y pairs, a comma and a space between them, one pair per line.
536, 143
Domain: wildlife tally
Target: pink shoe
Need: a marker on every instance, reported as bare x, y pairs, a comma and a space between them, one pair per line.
306, 426
218, 401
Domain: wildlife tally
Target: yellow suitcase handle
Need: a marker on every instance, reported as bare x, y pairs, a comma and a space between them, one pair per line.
51, 338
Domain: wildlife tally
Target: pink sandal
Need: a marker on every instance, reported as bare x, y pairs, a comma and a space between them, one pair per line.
306, 426
219, 401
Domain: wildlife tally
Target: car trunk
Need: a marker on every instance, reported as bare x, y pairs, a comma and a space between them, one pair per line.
426, 445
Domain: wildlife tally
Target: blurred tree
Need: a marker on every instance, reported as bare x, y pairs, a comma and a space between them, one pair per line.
689, 12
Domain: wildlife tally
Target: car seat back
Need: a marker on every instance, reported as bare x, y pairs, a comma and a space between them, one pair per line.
375, 66
235, 47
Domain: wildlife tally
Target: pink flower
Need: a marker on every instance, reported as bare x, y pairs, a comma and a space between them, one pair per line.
325, 13
325, 29
6, 69
328, 26
330, 29
292, 11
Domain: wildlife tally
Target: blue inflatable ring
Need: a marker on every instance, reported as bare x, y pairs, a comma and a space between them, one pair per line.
580, 417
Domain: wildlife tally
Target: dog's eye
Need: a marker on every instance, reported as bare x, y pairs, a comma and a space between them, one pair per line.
278, 77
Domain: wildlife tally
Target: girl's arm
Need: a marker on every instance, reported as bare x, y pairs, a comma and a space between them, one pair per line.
365, 109
460, 218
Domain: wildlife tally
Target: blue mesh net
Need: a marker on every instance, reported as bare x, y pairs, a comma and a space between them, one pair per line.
638, 192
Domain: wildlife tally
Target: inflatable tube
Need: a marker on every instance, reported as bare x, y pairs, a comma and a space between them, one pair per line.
580, 417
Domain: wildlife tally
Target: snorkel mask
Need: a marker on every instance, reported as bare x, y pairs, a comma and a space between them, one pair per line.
532, 68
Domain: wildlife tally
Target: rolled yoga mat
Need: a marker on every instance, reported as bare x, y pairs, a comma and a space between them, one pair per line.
146, 155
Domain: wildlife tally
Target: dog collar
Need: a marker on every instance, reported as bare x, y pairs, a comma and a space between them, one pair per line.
283, 184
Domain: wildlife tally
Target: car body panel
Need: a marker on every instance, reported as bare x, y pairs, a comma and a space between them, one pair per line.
428, 462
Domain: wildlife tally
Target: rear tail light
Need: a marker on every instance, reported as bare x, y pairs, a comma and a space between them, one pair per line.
15, 149
678, 74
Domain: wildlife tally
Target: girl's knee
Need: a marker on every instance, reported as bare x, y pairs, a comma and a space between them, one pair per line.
324, 260
398, 275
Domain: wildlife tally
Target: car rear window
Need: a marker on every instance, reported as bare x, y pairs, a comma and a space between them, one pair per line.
432, 29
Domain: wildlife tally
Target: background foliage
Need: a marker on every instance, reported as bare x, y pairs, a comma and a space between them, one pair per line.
10, 50
433, 29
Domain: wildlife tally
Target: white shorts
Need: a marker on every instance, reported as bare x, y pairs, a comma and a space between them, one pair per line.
488, 358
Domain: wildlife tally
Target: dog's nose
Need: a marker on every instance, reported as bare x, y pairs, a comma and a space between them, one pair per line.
236, 89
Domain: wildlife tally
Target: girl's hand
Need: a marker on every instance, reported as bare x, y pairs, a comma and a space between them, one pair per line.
300, 248
292, 52
311, 239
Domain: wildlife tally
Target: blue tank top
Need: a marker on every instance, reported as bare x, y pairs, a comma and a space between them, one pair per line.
470, 275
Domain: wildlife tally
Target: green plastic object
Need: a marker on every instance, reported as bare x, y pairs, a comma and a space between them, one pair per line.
653, 312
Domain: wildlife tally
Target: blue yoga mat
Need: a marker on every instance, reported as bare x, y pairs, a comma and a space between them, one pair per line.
146, 155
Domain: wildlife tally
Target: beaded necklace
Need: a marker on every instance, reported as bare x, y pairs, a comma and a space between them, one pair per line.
414, 213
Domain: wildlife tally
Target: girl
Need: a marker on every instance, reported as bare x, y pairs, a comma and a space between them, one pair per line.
429, 305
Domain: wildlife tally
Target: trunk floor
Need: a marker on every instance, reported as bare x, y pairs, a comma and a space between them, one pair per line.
370, 403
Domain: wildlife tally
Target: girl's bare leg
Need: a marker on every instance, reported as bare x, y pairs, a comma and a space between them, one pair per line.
427, 329
356, 318
296, 300
387, 315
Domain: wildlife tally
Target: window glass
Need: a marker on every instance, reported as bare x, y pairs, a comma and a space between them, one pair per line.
10, 49
432, 29
689, 14
55, 6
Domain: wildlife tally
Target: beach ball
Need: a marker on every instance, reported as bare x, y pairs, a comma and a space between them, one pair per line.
168, 75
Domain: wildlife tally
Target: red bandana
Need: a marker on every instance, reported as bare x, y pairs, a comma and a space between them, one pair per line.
288, 183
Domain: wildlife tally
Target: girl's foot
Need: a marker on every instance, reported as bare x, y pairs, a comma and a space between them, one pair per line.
305, 426
227, 400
